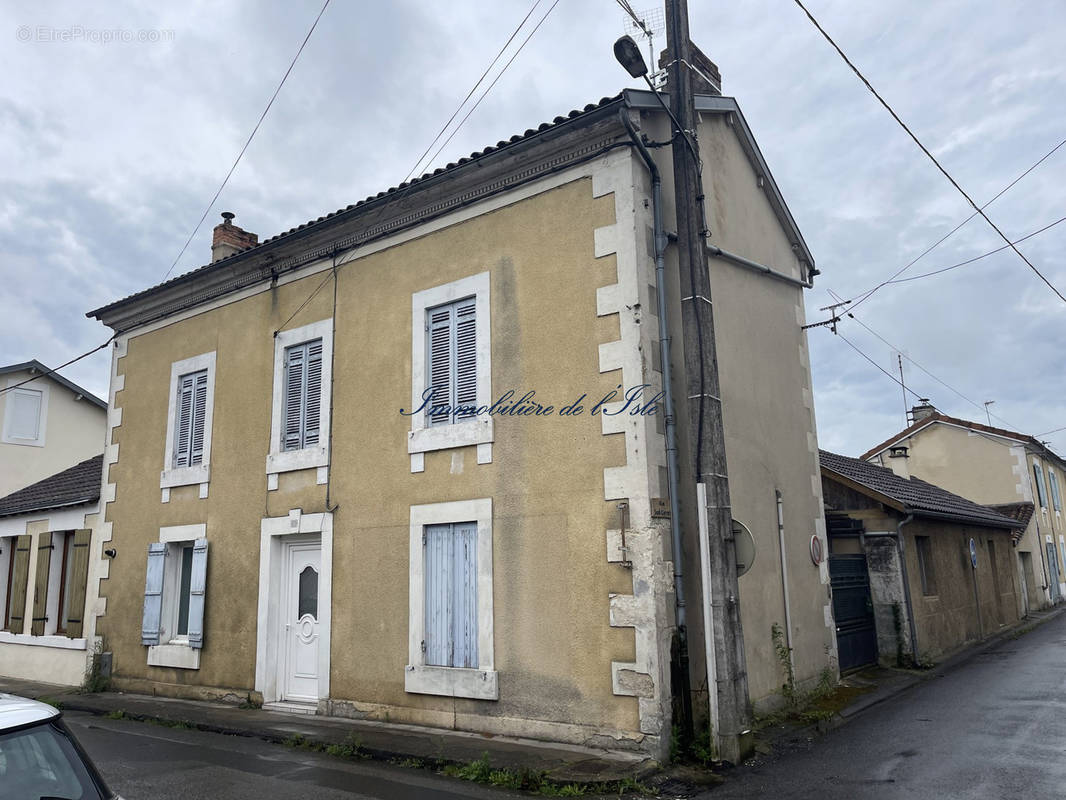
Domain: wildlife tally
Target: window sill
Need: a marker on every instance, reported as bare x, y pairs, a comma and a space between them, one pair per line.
23, 442
478, 684
184, 476
478, 431
60, 642
174, 654
291, 460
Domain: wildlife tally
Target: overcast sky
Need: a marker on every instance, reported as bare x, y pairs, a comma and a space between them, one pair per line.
110, 151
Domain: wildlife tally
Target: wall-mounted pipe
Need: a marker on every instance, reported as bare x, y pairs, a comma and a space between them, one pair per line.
784, 579
755, 266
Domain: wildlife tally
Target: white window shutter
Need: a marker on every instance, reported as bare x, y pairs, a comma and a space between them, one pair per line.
153, 593
292, 418
24, 409
438, 621
441, 361
313, 394
466, 358
199, 413
197, 593
184, 421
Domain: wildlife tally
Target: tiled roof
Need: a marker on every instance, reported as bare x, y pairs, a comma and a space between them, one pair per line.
915, 496
37, 366
73, 486
1020, 512
605, 101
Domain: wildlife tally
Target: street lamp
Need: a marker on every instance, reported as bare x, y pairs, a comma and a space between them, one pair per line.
628, 55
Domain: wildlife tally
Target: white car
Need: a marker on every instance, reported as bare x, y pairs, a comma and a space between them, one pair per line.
39, 757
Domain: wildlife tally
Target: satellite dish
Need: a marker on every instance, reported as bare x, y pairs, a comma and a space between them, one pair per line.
743, 547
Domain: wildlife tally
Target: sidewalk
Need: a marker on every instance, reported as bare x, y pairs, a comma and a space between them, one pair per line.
378, 740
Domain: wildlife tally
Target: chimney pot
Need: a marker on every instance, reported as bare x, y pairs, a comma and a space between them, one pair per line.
922, 410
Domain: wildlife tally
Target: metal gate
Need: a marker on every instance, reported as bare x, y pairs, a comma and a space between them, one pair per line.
853, 611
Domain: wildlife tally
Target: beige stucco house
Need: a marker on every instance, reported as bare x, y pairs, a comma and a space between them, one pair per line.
296, 524
47, 423
992, 466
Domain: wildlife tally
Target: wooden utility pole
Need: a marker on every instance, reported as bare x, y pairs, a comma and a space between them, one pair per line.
706, 436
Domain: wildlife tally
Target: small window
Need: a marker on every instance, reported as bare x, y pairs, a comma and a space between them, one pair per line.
184, 584
190, 417
1056, 497
923, 547
174, 593
302, 396
1041, 490
452, 347
308, 596
24, 416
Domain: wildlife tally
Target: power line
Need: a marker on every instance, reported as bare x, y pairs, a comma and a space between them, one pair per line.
251, 136
974, 403
976, 258
894, 379
863, 296
472, 90
1047, 433
403, 192
484, 94
61, 366
925, 150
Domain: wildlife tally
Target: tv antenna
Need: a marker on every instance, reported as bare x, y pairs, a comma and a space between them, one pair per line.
645, 25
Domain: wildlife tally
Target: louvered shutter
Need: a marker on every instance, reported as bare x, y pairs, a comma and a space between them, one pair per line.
313, 393
40, 583
292, 416
464, 595
466, 358
79, 566
153, 593
197, 593
441, 362
450, 565
199, 415
20, 582
183, 423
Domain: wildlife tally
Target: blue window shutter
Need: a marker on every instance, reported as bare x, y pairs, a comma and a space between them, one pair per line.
464, 594
199, 418
197, 593
313, 394
450, 565
292, 414
438, 623
153, 593
183, 422
466, 358
441, 362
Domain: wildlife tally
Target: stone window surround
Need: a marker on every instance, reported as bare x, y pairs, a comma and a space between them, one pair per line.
176, 652
479, 430
419, 678
197, 474
316, 457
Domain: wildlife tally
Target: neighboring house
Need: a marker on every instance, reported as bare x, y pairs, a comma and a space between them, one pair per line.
47, 424
318, 540
48, 579
993, 466
917, 572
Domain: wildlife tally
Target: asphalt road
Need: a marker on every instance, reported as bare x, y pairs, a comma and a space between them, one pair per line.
994, 727
141, 761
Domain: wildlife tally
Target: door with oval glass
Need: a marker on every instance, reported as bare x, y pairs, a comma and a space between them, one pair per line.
299, 617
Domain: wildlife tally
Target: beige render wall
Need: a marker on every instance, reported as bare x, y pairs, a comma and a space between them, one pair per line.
74, 431
949, 619
553, 646
769, 421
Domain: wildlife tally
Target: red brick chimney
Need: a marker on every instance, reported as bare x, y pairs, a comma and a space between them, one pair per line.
229, 239
706, 79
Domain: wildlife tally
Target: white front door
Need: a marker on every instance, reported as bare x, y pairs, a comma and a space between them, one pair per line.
299, 620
